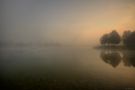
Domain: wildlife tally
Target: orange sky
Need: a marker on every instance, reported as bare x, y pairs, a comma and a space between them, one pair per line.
65, 21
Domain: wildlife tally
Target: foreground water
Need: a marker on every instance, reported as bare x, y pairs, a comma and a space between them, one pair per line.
66, 68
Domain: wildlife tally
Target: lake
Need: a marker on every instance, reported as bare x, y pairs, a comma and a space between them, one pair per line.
66, 68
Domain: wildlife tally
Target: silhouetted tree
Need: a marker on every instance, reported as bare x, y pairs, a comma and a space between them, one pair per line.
129, 39
126, 34
104, 39
114, 38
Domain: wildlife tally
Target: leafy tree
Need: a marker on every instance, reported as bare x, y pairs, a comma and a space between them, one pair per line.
125, 36
104, 39
111, 38
114, 38
130, 40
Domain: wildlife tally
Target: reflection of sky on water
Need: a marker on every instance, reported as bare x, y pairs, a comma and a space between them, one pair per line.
72, 63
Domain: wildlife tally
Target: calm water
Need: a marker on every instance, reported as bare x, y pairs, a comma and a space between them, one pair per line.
66, 68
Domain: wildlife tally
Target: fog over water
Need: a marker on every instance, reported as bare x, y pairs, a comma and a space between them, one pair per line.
62, 21
66, 68
49, 45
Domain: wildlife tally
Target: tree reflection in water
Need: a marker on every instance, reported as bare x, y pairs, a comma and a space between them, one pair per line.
129, 58
111, 57
114, 58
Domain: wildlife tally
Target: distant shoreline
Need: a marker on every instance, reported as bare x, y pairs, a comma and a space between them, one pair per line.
117, 47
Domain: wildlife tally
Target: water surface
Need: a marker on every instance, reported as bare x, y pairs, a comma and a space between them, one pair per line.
67, 68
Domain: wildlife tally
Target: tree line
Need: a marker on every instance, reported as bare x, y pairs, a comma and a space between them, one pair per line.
113, 38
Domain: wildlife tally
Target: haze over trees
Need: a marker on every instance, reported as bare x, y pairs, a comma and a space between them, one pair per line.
104, 39
129, 39
113, 38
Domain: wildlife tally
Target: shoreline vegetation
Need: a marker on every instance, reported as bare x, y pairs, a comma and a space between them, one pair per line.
113, 40
119, 47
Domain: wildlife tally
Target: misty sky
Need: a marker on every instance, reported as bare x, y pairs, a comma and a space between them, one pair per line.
64, 21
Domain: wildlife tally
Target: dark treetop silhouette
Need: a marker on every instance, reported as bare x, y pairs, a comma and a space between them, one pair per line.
113, 38
111, 54
129, 39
